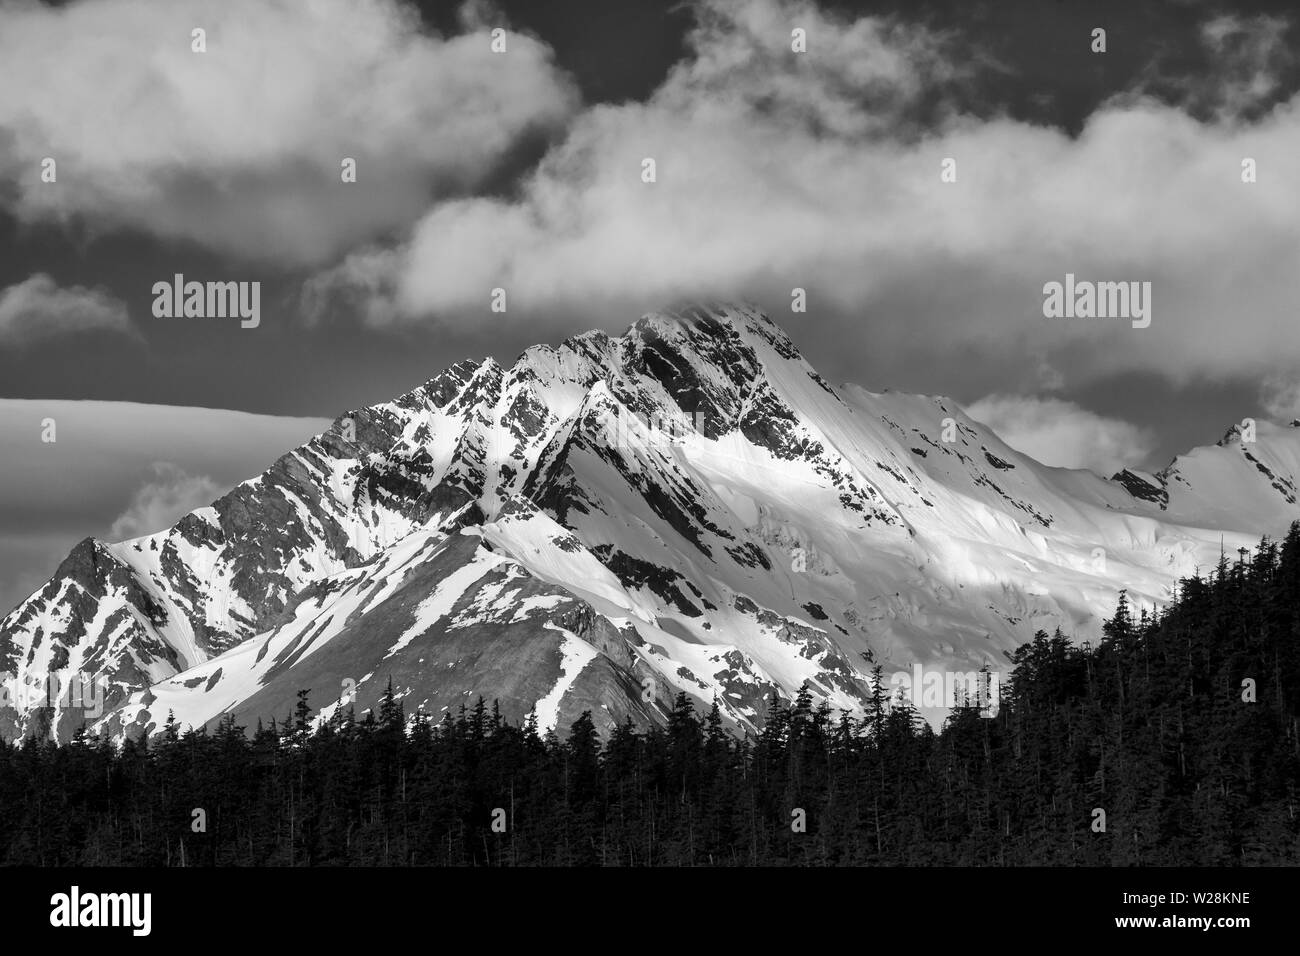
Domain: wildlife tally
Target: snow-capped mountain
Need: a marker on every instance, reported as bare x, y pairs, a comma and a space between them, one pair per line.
689, 506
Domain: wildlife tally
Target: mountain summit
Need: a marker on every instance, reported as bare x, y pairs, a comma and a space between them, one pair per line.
686, 507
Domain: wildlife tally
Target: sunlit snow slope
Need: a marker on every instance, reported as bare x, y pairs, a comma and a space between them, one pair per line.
689, 506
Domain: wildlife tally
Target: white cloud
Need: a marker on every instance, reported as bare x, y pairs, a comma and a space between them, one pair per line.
38, 308
1060, 433
239, 148
363, 285
1280, 396
778, 170
161, 501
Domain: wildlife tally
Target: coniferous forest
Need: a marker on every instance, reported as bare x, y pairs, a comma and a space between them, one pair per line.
1181, 727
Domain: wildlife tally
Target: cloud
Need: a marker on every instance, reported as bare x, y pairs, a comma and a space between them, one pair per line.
54, 494
586, 231
1060, 433
363, 285
1236, 75
160, 502
80, 481
1250, 54
240, 147
1280, 396
38, 308
778, 170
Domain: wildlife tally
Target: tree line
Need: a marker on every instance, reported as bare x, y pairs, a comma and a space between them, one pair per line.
1175, 740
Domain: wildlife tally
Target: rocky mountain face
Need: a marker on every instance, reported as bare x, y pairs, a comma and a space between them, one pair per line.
687, 507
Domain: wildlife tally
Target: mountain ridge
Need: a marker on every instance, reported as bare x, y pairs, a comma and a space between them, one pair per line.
683, 496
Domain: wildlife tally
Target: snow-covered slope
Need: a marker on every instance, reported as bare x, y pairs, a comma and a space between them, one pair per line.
689, 506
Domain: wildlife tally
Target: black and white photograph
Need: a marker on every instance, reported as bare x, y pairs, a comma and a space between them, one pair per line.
518, 437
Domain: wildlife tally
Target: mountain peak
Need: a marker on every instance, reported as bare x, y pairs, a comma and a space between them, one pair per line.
1231, 437
741, 317
687, 507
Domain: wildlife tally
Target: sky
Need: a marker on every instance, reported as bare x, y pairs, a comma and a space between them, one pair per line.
775, 169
